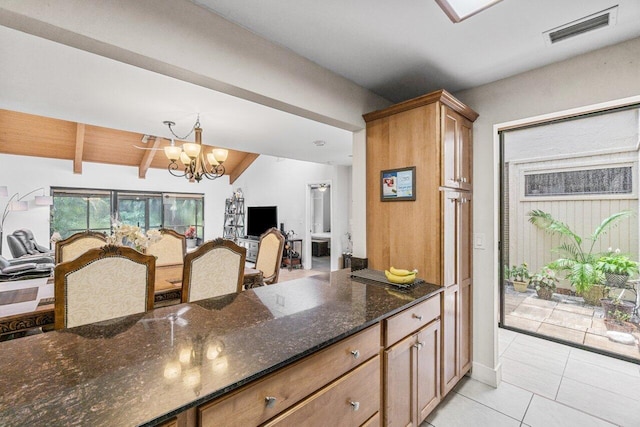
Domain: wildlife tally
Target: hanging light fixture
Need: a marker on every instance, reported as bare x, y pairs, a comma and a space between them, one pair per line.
197, 164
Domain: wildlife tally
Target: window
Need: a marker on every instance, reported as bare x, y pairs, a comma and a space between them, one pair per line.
76, 210
182, 211
587, 181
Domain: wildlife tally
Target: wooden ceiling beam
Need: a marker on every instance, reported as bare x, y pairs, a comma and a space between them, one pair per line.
77, 160
242, 166
148, 158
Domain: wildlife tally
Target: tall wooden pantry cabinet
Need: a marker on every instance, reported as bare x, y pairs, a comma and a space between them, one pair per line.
433, 233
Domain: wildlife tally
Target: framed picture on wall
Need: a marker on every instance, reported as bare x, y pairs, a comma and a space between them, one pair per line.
398, 184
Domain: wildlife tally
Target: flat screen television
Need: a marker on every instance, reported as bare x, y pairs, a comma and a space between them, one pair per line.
260, 219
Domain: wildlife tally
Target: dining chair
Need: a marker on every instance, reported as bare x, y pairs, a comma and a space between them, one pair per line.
170, 249
270, 255
215, 268
77, 244
102, 284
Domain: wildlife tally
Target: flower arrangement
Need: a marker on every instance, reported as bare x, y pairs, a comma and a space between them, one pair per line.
190, 233
131, 235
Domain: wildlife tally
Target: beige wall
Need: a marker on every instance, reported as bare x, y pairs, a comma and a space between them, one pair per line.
599, 76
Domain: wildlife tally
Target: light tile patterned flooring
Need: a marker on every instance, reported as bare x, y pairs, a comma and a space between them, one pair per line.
545, 384
563, 317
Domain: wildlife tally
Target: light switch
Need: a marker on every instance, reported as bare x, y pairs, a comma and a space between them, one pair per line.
478, 241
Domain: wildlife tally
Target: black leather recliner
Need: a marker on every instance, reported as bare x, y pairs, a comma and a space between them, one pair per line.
22, 243
25, 268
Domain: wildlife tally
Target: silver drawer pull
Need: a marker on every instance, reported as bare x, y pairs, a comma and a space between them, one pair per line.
270, 401
419, 345
416, 316
355, 353
355, 405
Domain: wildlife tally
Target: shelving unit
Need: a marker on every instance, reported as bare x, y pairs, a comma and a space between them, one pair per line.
233, 218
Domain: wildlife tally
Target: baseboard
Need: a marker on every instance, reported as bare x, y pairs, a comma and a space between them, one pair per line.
487, 375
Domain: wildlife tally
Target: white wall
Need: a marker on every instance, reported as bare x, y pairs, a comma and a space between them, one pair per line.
602, 75
22, 174
283, 182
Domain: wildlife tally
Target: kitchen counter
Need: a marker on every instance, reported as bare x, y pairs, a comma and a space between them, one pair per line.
142, 369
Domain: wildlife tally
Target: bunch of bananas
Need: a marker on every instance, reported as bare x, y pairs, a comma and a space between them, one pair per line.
402, 277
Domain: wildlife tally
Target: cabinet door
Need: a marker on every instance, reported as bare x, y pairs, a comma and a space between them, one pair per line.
428, 355
465, 263
456, 150
450, 338
400, 391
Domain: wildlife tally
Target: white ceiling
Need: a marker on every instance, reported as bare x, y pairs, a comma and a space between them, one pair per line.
401, 49
53, 80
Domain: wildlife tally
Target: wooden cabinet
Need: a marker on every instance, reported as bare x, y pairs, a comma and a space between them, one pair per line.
352, 400
456, 150
432, 233
412, 364
266, 398
412, 377
457, 300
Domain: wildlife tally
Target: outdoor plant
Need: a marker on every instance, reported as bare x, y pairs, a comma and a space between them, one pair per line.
544, 282
577, 258
617, 263
545, 278
520, 273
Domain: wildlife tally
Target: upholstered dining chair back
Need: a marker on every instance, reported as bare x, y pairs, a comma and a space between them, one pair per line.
170, 249
103, 284
270, 255
77, 244
215, 268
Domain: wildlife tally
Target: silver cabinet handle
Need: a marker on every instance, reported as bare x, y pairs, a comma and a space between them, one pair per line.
270, 401
416, 316
355, 353
355, 405
419, 345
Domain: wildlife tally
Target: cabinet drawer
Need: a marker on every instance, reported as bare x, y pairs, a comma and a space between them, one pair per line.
350, 401
248, 406
411, 319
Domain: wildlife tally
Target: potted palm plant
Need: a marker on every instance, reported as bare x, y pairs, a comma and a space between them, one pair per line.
544, 282
577, 258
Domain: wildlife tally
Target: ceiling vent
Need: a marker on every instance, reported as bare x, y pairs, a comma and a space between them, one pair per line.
603, 19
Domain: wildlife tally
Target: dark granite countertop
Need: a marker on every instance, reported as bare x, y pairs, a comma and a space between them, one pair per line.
140, 369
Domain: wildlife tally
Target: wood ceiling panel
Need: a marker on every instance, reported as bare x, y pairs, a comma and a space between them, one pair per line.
29, 135
104, 145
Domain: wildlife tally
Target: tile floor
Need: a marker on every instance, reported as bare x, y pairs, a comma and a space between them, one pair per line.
545, 384
563, 317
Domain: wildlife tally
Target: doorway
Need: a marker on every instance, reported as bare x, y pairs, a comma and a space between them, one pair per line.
569, 209
318, 241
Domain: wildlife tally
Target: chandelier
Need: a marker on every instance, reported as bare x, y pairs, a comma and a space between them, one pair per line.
196, 163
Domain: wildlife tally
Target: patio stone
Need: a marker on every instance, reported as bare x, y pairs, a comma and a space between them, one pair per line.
521, 323
562, 333
586, 311
532, 312
597, 327
534, 300
569, 320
